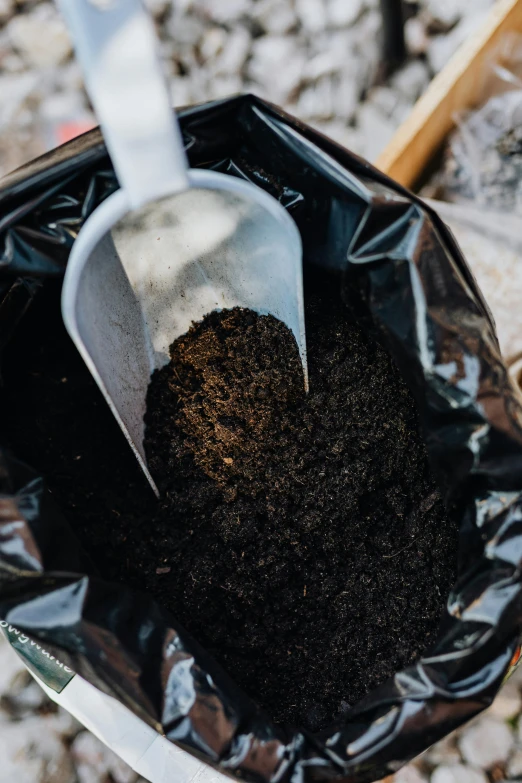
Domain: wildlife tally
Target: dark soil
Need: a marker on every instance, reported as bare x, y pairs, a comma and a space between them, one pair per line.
301, 539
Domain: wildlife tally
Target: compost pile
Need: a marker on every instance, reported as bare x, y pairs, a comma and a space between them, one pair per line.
300, 538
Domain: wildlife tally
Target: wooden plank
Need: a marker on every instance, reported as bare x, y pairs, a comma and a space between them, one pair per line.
455, 88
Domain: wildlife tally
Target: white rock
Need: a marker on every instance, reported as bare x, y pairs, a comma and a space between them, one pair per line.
317, 101
442, 47
63, 724
30, 753
181, 91
409, 774
62, 106
212, 42
235, 52
516, 676
223, 87
367, 47
28, 699
417, 40
312, 14
514, 765
95, 762
274, 16
322, 64
185, 30
507, 704
158, 7
6, 10
519, 731
343, 13
10, 664
15, 89
384, 98
375, 128
457, 773
334, 51
446, 12
277, 66
443, 752
346, 98
40, 36
182, 6
69, 78
224, 11
411, 80
486, 743
342, 134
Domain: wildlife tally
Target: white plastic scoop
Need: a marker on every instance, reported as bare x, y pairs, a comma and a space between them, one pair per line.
173, 243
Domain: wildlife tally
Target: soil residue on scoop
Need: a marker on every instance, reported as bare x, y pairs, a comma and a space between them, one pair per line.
300, 538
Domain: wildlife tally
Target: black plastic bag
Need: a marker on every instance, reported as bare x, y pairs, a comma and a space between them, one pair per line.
416, 289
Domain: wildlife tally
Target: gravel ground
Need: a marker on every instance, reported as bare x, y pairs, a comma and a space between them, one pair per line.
320, 59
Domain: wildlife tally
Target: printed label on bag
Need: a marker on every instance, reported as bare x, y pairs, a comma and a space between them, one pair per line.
45, 666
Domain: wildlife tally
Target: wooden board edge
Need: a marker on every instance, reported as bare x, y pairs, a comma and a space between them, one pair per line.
420, 135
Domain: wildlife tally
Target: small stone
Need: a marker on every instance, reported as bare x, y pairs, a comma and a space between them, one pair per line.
69, 78
343, 13
322, 64
31, 753
181, 90
312, 15
445, 13
343, 134
417, 40
225, 11
228, 460
367, 48
62, 107
236, 49
375, 128
185, 30
16, 89
277, 65
165, 570
443, 752
457, 773
515, 677
514, 765
486, 743
317, 101
507, 704
61, 723
24, 701
212, 43
442, 47
383, 98
40, 36
7, 8
158, 8
411, 80
223, 87
409, 774
274, 17
11, 666
519, 731
346, 98
95, 762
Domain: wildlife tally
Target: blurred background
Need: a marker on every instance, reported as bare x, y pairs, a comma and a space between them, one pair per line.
329, 63
323, 60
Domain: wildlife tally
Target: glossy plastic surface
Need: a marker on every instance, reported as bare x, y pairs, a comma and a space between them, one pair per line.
414, 288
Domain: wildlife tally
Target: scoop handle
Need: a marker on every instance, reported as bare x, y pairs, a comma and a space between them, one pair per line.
116, 45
